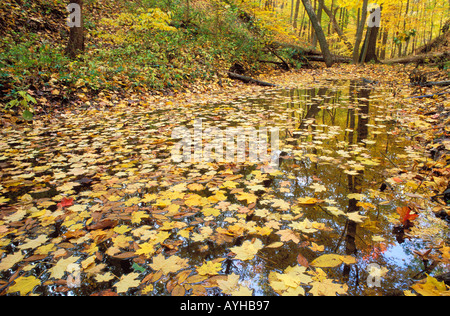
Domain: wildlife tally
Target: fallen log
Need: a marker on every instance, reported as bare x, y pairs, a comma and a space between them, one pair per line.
428, 95
435, 83
336, 58
246, 79
416, 59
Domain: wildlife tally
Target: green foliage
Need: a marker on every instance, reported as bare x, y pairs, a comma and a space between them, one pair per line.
152, 44
25, 102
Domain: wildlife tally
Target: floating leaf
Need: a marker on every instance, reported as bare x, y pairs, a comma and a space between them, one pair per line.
24, 285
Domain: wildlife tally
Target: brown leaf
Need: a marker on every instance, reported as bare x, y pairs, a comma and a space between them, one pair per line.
178, 291
302, 260
106, 223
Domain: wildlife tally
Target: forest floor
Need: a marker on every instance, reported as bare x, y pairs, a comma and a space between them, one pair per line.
92, 202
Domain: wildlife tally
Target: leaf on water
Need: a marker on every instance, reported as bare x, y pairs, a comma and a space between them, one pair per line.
327, 261
405, 214
210, 267
57, 271
65, 202
24, 285
432, 287
171, 264
332, 260
354, 216
302, 260
356, 196
33, 243
248, 250
10, 260
249, 197
318, 187
307, 201
287, 235
126, 282
289, 283
327, 288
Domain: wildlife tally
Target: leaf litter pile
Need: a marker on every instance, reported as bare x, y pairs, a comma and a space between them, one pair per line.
91, 203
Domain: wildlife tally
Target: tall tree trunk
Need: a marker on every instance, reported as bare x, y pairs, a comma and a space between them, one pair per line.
319, 33
75, 45
319, 17
359, 33
369, 51
297, 6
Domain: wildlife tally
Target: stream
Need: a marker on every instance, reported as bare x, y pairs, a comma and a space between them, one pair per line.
339, 144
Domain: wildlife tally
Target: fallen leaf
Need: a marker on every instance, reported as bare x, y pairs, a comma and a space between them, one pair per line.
171, 264
248, 249
24, 285
126, 282
405, 214
327, 261
302, 260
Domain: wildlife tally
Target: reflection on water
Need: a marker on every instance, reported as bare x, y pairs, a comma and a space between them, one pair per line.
338, 142
351, 121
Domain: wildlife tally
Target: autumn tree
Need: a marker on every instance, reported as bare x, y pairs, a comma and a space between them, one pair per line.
76, 35
359, 32
319, 33
369, 49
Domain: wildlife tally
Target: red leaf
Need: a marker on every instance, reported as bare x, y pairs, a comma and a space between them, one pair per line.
405, 214
65, 203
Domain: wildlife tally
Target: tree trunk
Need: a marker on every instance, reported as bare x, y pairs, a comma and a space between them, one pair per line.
336, 26
75, 45
297, 6
359, 33
319, 33
319, 17
369, 51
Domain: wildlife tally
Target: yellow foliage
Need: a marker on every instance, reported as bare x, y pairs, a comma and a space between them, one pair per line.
153, 20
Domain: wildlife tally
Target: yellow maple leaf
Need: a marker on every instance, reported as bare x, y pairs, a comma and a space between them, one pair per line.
432, 287
328, 288
127, 281
137, 217
10, 260
132, 201
24, 285
122, 229
33, 243
210, 211
318, 187
196, 200
210, 268
217, 197
146, 249
195, 187
251, 198
355, 217
60, 268
248, 250
283, 205
229, 184
287, 234
171, 264
356, 196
